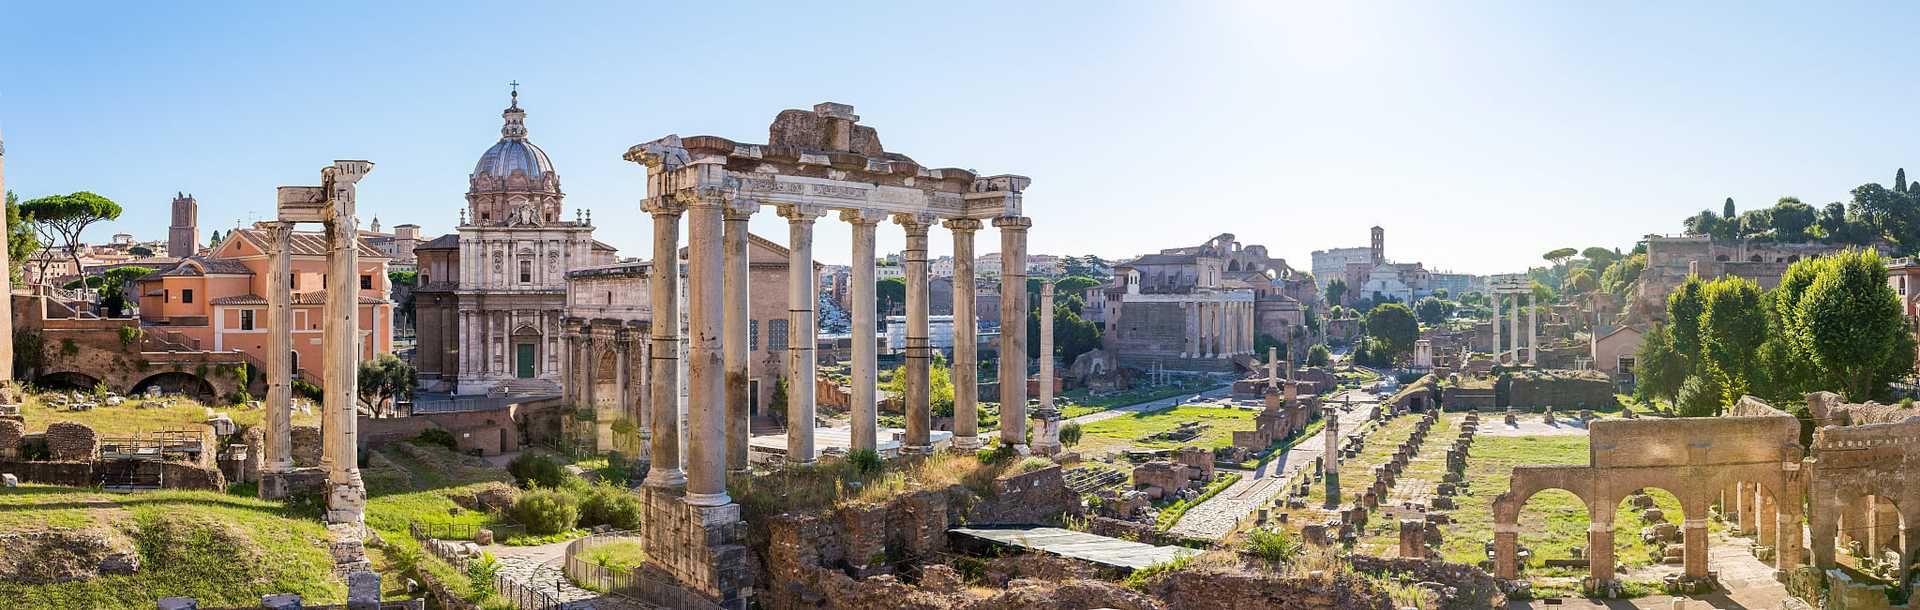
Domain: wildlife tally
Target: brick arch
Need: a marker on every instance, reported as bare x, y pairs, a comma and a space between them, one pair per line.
68, 379
178, 381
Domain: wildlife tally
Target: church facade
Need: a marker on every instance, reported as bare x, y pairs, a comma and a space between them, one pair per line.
492, 296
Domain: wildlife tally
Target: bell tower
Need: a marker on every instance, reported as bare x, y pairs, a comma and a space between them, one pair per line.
183, 235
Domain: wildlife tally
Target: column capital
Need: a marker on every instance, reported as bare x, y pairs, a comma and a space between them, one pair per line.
1013, 223
664, 205
862, 217
279, 234
960, 225
802, 212
914, 223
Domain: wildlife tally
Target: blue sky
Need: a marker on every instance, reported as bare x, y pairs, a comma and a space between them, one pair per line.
1479, 134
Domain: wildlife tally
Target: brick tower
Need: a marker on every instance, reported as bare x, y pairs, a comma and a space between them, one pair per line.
183, 236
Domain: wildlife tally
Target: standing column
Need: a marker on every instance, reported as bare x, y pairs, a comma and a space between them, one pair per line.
802, 281
706, 457
1787, 537
1600, 548
1513, 329
1048, 441
1330, 455
663, 357
1533, 325
620, 380
1767, 518
1013, 329
278, 450
861, 298
1694, 536
6, 304
589, 390
346, 502
966, 347
1496, 328
735, 335
919, 353
1191, 348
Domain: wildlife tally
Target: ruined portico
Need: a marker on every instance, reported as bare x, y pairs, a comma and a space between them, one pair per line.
815, 162
1512, 287
332, 205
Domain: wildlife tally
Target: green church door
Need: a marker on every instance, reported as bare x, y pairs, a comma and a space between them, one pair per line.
524, 357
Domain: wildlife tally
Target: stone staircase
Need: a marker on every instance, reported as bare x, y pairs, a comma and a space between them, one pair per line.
528, 387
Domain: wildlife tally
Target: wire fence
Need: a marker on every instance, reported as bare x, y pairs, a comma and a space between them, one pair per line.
632, 583
523, 596
464, 531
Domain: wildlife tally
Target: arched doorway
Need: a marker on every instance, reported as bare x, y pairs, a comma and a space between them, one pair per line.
177, 382
526, 352
67, 380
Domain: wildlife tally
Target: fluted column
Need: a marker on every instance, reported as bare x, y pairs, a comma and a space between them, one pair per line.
966, 347
735, 330
1495, 326
1047, 441
802, 282
706, 457
6, 304
1533, 326
663, 370
347, 498
862, 299
919, 353
278, 450
1013, 329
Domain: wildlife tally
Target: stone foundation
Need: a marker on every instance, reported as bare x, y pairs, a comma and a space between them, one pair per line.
68, 441
700, 547
296, 482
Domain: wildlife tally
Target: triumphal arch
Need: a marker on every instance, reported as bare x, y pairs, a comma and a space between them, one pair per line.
814, 163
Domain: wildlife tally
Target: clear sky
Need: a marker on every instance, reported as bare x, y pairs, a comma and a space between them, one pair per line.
1478, 134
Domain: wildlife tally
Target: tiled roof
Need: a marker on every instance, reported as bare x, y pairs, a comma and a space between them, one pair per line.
308, 243
444, 242
192, 267
302, 298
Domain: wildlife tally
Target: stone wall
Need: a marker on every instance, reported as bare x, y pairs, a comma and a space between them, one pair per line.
1038, 497
305, 446
173, 475
1473, 588
11, 433
1558, 389
68, 441
1232, 590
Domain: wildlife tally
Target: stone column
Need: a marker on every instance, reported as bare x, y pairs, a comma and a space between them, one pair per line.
277, 450
1330, 455
734, 341
1600, 551
620, 381
1767, 516
1189, 313
663, 368
802, 282
1506, 548
6, 304
347, 497
1496, 329
1748, 510
589, 388
919, 352
1013, 329
862, 300
1533, 325
706, 457
1695, 537
1048, 442
966, 341
1788, 541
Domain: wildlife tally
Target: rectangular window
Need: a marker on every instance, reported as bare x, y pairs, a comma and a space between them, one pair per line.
526, 271
777, 333
246, 319
186, 295
366, 282
293, 281
753, 335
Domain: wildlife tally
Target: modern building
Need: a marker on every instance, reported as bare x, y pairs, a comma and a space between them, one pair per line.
398, 245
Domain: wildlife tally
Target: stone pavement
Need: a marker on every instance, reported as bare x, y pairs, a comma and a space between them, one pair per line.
544, 575
1747, 584
1216, 517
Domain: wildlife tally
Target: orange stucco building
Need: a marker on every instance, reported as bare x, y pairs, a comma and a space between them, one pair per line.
215, 301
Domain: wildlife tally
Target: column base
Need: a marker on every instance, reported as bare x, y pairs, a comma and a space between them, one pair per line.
346, 504
668, 478
292, 482
698, 547
1047, 449
966, 443
718, 499
916, 450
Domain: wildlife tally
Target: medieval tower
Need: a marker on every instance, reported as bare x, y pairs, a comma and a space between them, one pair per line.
1379, 245
183, 236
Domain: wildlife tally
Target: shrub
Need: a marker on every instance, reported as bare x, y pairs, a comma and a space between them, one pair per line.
437, 437
531, 470
997, 454
1070, 434
610, 506
1031, 464
480, 570
1274, 546
546, 512
867, 461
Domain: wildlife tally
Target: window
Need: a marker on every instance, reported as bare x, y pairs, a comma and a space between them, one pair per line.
425, 279
293, 281
166, 296
777, 333
246, 319
526, 271
366, 282
186, 295
753, 335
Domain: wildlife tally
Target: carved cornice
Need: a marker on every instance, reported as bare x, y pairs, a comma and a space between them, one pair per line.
962, 225
1013, 223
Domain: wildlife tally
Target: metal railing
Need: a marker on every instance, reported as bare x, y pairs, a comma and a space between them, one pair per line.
633, 583
523, 596
464, 531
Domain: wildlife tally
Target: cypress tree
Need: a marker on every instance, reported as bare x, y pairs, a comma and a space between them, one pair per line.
1727, 212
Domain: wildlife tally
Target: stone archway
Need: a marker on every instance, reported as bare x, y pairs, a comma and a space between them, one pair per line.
67, 380
177, 382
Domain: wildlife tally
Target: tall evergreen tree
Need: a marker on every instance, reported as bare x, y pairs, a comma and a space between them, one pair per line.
1900, 180
1727, 212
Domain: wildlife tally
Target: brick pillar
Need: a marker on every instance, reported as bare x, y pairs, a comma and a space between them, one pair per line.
1748, 509
1506, 550
1787, 537
1766, 522
1695, 530
1600, 552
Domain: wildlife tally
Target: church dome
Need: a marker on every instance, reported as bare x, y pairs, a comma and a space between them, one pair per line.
511, 155
514, 178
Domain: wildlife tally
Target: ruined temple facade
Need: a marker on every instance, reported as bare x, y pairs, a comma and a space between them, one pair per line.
491, 297
1200, 307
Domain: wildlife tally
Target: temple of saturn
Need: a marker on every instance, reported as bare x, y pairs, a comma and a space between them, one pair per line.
1514, 286
338, 476
816, 162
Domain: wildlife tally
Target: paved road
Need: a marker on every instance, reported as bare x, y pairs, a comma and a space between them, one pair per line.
1216, 517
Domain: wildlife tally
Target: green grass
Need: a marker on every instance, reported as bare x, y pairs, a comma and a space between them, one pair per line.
616, 555
1118, 433
179, 414
221, 549
1078, 402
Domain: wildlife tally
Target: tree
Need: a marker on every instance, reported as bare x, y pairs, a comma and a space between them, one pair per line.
1318, 355
1393, 327
1727, 210
1090, 266
214, 239
1791, 218
1598, 258
22, 241
1433, 310
1699, 396
67, 216
1833, 221
1074, 284
1684, 305
113, 285
403, 278
1900, 180
1337, 291
140, 251
1559, 256
1658, 370
939, 385
1733, 324
1850, 325
889, 291
384, 379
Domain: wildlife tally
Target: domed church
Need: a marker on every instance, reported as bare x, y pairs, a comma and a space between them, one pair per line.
491, 296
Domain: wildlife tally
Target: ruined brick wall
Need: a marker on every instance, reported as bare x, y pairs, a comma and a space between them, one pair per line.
1038, 497
306, 446
12, 431
1473, 587
65, 474
180, 475
1469, 399
1537, 391
69, 441
1211, 590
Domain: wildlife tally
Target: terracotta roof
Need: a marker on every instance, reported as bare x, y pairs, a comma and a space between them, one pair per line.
192, 267
302, 298
307, 243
